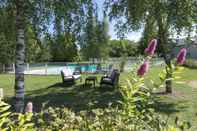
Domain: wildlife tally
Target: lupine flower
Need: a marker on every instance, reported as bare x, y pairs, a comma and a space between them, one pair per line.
29, 107
181, 56
143, 68
151, 47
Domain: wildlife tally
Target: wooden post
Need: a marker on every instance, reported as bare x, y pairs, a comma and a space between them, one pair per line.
1, 93
46, 68
3, 68
13, 66
27, 66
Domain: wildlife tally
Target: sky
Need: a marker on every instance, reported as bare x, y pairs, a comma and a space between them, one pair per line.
135, 36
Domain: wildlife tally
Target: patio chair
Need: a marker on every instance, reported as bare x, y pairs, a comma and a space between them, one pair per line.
111, 80
69, 77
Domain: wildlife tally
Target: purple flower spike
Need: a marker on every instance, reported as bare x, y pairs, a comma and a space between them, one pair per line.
29, 107
143, 69
151, 47
181, 56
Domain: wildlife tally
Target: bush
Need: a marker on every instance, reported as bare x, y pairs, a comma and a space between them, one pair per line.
191, 63
54, 119
10, 121
63, 119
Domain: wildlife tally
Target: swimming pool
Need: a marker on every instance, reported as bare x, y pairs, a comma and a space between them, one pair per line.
55, 70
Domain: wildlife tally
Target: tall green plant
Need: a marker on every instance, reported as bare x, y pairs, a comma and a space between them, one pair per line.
138, 99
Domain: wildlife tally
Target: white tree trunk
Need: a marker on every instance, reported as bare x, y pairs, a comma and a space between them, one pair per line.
20, 57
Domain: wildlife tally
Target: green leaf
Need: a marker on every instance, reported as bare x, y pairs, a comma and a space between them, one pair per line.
5, 114
28, 125
3, 103
2, 109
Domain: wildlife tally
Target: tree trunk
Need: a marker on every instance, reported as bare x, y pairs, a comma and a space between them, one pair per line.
168, 76
168, 85
20, 57
163, 42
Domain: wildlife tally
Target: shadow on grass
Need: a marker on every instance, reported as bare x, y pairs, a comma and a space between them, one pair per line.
167, 107
77, 97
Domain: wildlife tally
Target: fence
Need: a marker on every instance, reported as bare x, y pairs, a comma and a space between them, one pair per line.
6, 68
54, 68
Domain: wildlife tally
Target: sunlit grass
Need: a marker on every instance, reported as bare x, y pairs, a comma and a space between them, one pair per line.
40, 89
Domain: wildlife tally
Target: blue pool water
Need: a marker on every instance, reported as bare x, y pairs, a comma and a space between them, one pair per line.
55, 70
84, 68
72, 67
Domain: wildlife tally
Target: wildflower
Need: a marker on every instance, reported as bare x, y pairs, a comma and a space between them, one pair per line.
143, 68
29, 107
151, 47
181, 56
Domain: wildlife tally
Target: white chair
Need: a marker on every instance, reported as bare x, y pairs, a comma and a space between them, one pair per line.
69, 76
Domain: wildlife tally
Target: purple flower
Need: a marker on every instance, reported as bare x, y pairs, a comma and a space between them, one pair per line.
181, 56
143, 68
151, 47
29, 107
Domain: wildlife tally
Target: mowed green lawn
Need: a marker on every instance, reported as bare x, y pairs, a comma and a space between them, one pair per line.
183, 102
50, 90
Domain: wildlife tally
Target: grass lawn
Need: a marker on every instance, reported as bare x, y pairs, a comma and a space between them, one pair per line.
183, 101
41, 89
50, 90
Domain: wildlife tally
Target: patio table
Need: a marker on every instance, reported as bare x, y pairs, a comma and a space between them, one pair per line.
90, 79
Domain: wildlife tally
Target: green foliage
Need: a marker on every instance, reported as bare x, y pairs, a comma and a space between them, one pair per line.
39, 16
63, 49
174, 72
7, 34
136, 114
120, 48
158, 18
138, 11
68, 24
95, 37
56, 119
14, 121
149, 32
103, 119
36, 51
166, 17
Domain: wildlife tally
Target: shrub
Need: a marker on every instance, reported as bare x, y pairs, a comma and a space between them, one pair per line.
14, 121
63, 119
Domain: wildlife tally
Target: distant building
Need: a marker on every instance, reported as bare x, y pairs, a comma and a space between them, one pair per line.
190, 46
